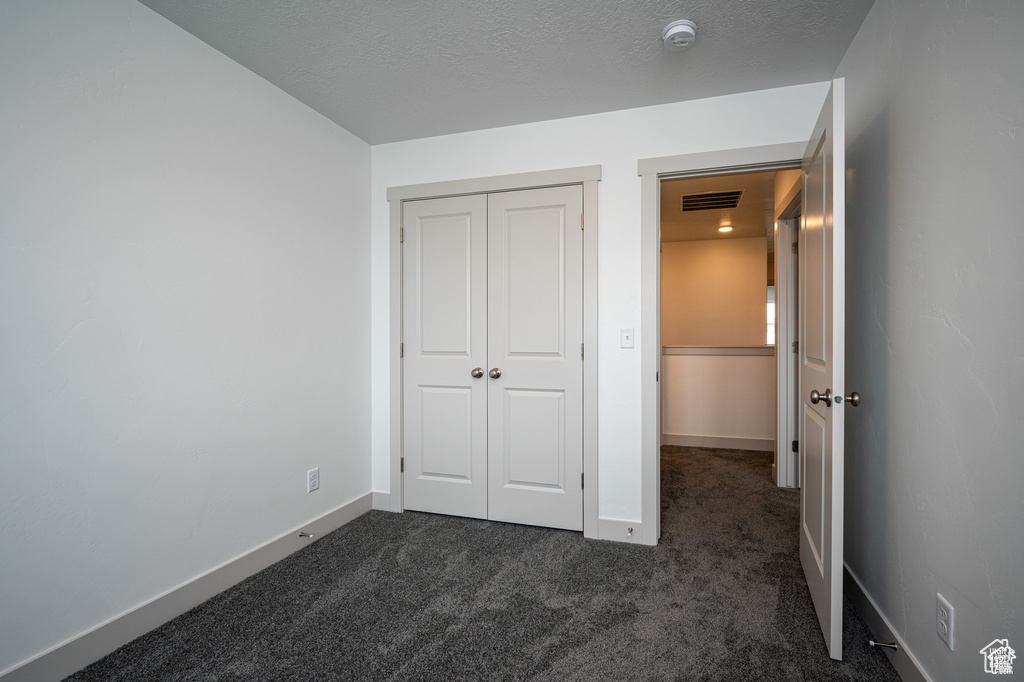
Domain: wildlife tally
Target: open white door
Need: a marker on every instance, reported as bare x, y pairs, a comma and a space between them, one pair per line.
822, 366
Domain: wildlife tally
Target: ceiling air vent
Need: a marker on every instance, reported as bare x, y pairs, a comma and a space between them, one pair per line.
711, 200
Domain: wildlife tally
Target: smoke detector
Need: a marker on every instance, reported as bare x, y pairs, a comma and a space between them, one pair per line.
679, 34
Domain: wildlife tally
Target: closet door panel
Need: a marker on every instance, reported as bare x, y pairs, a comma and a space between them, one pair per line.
535, 333
445, 335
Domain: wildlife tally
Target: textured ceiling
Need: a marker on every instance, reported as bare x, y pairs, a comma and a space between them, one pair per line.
751, 218
390, 70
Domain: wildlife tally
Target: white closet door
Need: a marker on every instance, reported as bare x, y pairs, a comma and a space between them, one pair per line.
445, 335
535, 335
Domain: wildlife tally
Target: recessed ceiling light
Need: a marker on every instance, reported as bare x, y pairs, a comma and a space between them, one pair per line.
679, 34
725, 228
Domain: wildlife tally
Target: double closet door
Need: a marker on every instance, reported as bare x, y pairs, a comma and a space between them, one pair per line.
492, 369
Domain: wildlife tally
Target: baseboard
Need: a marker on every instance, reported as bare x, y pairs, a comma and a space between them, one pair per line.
92, 645
381, 501
902, 659
619, 530
728, 442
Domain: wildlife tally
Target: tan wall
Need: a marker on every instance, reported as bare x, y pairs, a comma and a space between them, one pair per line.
713, 292
787, 183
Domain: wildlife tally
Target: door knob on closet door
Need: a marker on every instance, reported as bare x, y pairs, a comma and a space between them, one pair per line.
477, 373
494, 373
826, 397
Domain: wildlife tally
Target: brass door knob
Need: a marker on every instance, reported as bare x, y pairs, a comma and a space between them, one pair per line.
494, 373
477, 373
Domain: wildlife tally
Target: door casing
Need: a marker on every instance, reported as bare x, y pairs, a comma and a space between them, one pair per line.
588, 177
652, 172
787, 429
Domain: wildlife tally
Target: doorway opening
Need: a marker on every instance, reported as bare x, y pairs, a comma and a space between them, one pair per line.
718, 333
821, 344
713, 172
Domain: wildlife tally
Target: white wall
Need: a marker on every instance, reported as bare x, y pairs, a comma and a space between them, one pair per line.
718, 397
935, 149
616, 141
184, 313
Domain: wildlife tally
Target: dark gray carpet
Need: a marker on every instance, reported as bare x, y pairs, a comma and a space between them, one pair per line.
423, 597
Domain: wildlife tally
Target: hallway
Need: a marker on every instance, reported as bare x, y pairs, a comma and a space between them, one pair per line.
729, 554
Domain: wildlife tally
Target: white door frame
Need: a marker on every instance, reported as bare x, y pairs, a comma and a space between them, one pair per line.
652, 171
588, 177
787, 429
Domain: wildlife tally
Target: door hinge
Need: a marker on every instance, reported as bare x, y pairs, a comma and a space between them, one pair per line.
796, 346
581, 221
401, 350
796, 248
401, 235
796, 446
581, 480
581, 351
657, 377
401, 465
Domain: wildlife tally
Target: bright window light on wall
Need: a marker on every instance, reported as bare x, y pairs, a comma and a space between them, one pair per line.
771, 316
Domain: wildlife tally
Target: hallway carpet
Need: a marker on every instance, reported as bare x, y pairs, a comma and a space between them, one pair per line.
424, 597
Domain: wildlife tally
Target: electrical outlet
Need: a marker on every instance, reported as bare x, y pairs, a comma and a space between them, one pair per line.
944, 620
312, 479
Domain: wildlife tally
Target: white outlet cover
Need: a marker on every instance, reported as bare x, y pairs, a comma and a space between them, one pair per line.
313, 479
944, 620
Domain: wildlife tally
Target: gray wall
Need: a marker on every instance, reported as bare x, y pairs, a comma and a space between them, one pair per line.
935, 320
184, 314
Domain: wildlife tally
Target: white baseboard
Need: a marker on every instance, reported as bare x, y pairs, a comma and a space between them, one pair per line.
728, 442
619, 530
902, 659
92, 645
381, 501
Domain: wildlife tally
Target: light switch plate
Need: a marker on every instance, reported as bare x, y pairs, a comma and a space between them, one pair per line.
626, 337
